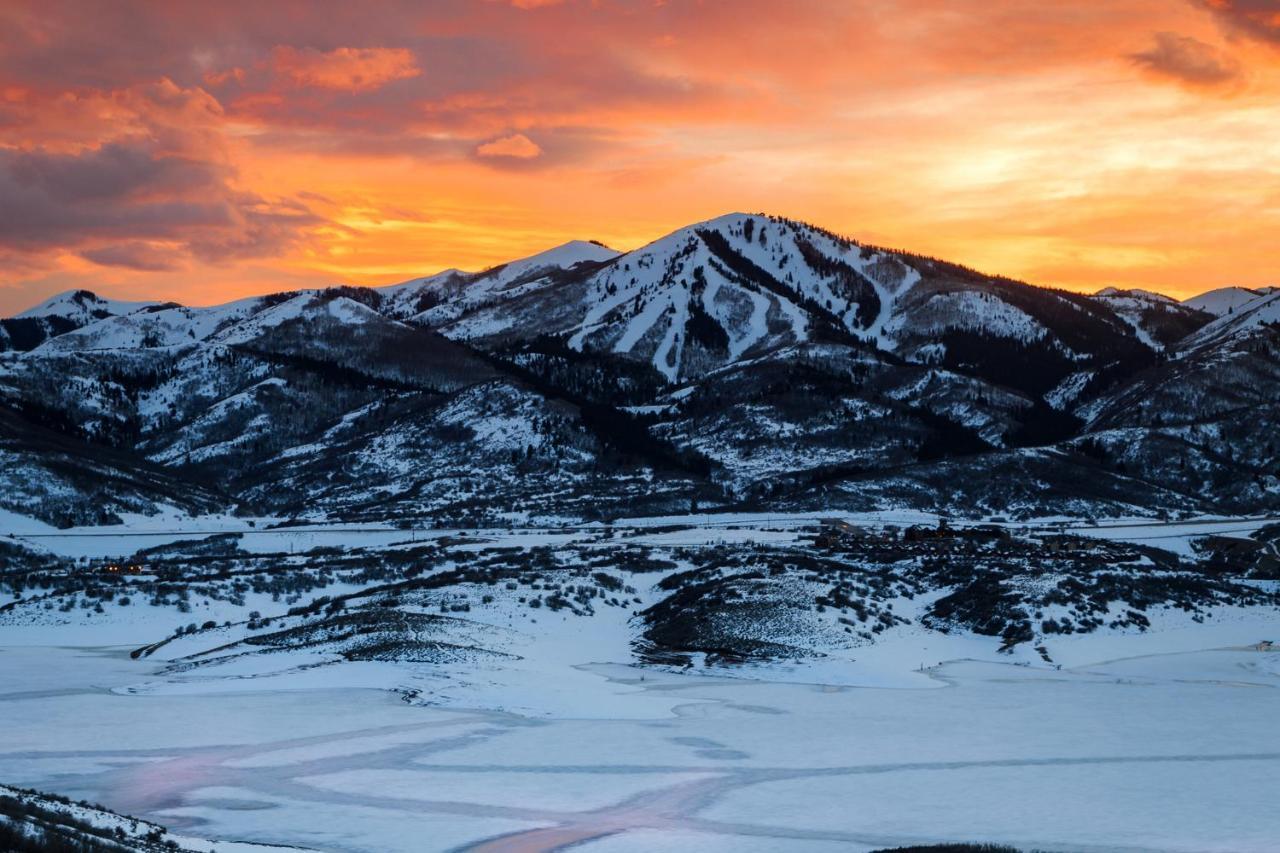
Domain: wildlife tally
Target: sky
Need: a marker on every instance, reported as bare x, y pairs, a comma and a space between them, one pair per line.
200, 152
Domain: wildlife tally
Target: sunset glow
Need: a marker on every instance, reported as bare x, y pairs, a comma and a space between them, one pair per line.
201, 152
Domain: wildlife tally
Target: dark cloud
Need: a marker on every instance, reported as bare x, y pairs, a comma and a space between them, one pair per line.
138, 178
135, 255
116, 170
1257, 19
259, 229
1189, 60
133, 191
36, 215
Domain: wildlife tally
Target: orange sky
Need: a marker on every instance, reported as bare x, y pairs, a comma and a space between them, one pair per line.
200, 152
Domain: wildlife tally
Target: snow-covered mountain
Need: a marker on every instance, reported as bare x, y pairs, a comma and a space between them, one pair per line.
1225, 300
1241, 320
1157, 320
82, 307
58, 315
742, 360
740, 285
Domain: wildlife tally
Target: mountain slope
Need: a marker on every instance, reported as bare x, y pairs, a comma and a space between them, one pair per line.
46, 474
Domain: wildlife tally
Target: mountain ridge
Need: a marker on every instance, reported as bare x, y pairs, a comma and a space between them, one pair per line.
745, 358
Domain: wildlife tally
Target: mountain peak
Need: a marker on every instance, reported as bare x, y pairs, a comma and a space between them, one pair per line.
1223, 300
565, 255
81, 305
1133, 293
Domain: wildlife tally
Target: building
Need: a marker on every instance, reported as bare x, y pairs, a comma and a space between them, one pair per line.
842, 526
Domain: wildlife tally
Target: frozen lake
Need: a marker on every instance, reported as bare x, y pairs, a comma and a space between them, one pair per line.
1172, 752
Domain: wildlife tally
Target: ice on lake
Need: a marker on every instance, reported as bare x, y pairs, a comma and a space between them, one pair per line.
1171, 752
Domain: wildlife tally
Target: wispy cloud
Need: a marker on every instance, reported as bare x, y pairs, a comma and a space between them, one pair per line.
348, 68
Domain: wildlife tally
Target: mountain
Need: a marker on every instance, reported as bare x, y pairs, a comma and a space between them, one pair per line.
1226, 300
58, 315
1242, 320
450, 294
745, 361
1158, 321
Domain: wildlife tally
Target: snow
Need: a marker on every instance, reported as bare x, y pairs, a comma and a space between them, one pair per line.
166, 327
1065, 392
644, 302
969, 309
269, 318
500, 417
1114, 801
1158, 753
1223, 300
919, 737
1129, 753
129, 828
667, 357
462, 291
648, 840
13, 523
640, 324
1246, 316
80, 305
1129, 308
1136, 294
581, 791
757, 327
888, 301
564, 256
258, 536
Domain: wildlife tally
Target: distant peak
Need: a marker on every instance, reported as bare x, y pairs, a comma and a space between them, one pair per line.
1224, 300
1133, 293
80, 301
66, 297
566, 255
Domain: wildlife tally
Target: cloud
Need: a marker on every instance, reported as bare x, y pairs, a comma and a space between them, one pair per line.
134, 135
116, 170
1257, 19
135, 255
157, 186
346, 68
258, 228
516, 146
129, 191
50, 200
1189, 61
